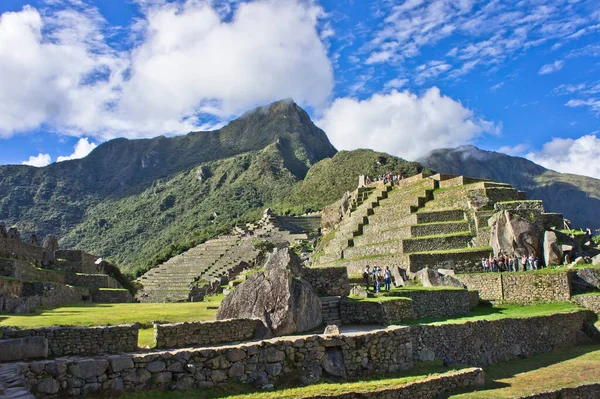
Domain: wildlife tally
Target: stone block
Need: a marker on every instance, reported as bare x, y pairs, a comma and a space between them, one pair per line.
23, 348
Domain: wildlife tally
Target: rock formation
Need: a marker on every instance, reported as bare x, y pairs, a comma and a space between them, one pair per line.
433, 278
278, 296
50, 245
516, 233
553, 254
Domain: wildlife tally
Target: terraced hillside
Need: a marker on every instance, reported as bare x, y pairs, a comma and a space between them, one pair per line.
439, 221
225, 256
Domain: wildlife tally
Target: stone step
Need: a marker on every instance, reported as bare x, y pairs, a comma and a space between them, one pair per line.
409, 245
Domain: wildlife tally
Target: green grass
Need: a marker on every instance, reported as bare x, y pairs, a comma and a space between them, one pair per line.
503, 312
420, 288
573, 232
548, 371
289, 390
86, 315
589, 294
440, 223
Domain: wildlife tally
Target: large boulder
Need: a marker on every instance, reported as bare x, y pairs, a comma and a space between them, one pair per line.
278, 296
432, 278
553, 254
517, 233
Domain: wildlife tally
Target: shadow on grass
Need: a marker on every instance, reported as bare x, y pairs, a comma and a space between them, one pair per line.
510, 369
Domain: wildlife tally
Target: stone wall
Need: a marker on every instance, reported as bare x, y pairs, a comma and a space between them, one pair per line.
185, 335
482, 343
91, 281
34, 295
328, 281
580, 392
437, 303
112, 295
460, 262
75, 261
489, 285
64, 341
591, 302
17, 249
369, 312
520, 287
307, 357
430, 388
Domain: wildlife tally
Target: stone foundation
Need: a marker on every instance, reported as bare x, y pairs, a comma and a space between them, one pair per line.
328, 281
112, 295
520, 287
375, 352
481, 343
22, 297
63, 341
185, 335
437, 303
382, 313
591, 302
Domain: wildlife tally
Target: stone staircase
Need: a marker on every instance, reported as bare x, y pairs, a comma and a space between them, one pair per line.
12, 383
330, 309
426, 220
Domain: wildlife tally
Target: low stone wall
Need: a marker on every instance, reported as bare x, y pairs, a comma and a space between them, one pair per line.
473, 299
308, 357
481, 343
580, 392
526, 287
63, 341
17, 249
489, 285
383, 312
430, 388
185, 335
437, 303
112, 295
328, 281
591, 302
418, 244
520, 287
35, 295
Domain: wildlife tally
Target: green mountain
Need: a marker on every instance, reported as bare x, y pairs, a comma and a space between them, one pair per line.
139, 202
575, 196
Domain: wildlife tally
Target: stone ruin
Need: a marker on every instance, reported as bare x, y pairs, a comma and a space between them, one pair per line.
32, 275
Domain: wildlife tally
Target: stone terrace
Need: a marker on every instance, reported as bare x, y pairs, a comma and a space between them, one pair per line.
172, 280
438, 221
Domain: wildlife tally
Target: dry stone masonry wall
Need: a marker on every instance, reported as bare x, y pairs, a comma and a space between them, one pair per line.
520, 287
375, 352
328, 281
183, 335
591, 302
368, 312
482, 343
438, 303
63, 341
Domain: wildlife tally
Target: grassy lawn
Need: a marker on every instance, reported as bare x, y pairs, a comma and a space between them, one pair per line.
548, 371
93, 314
503, 312
325, 387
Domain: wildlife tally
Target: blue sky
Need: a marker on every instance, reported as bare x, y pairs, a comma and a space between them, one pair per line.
405, 77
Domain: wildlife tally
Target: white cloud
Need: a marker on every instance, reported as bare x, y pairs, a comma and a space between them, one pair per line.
484, 32
496, 86
551, 68
190, 58
516, 150
592, 103
39, 161
402, 123
576, 156
82, 148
